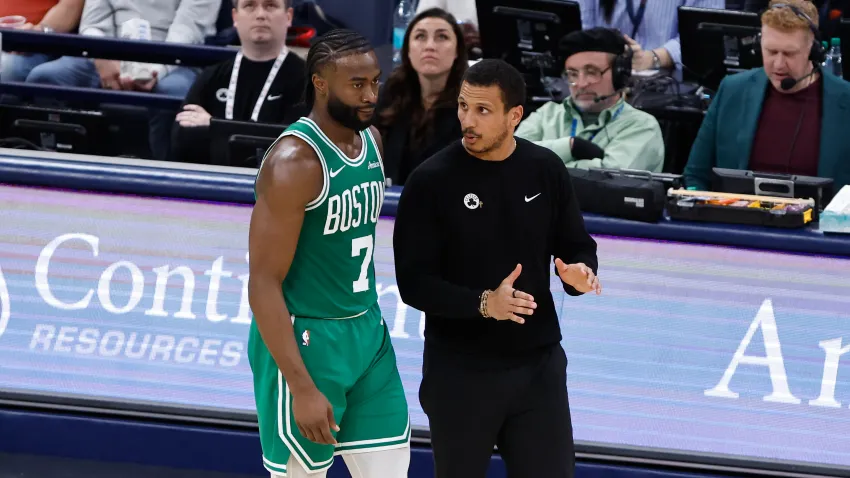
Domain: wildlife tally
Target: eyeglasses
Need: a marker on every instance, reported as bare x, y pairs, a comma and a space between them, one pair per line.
591, 73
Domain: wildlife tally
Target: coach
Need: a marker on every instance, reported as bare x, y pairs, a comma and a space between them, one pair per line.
476, 230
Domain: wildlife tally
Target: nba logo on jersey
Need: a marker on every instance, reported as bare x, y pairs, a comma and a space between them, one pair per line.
305, 338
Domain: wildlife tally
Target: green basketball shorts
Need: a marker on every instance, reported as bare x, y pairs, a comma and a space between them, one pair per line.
352, 362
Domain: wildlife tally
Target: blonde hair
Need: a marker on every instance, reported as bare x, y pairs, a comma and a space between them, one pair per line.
785, 19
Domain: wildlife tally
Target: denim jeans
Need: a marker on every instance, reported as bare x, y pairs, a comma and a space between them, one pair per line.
16, 67
80, 72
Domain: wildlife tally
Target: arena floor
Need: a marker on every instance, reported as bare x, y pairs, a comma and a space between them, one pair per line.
31, 466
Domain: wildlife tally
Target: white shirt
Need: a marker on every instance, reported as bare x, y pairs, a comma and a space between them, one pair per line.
462, 10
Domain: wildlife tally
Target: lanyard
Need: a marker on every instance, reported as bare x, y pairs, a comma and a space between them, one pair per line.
234, 75
636, 19
613, 117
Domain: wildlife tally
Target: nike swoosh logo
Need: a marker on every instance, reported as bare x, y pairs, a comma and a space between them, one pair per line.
529, 199
335, 173
272, 98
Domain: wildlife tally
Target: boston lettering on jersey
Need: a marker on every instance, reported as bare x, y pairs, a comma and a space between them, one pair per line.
332, 275
359, 205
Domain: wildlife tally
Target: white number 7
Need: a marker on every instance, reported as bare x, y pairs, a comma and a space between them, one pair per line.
357, 245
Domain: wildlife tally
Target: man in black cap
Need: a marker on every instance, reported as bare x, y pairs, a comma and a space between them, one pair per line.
595, 127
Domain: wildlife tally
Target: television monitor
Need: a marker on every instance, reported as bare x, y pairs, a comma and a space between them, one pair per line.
717, 43
66, 131
526, 33
241, 143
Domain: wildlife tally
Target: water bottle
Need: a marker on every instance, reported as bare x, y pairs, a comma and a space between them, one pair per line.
827, 64
403, 15
835, 52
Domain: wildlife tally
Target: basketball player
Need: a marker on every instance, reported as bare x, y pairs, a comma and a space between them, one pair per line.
325, 375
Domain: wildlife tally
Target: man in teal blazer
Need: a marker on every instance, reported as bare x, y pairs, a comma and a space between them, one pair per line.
759, 122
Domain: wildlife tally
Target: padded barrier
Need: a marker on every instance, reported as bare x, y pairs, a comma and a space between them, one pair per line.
116, 178
224, 187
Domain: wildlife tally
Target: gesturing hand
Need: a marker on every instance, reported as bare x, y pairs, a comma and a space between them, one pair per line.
505, 302
314, 416
578, 276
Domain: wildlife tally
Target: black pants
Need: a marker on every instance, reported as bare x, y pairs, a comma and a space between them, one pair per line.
520, 406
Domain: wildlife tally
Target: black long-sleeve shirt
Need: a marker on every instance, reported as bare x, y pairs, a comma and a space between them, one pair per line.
462, 226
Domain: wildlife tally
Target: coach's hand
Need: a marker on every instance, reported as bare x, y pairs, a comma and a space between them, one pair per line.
314, 416
506, 302
578, 276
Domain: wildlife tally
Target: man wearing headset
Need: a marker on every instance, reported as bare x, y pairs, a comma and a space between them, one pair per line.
595, 127
787, 117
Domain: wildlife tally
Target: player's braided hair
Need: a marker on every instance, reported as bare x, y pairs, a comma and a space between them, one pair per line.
328, 48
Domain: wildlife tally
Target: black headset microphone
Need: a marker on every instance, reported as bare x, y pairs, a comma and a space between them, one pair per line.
621, 71
789, 83
602, 98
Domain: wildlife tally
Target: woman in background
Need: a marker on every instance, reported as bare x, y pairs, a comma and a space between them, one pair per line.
417, 107
465, 12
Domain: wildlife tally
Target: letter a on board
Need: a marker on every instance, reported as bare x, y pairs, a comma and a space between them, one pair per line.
766, 321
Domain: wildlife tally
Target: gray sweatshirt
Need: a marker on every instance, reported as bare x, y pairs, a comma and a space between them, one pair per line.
177, 21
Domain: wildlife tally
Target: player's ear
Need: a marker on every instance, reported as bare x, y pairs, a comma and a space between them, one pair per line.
320, 84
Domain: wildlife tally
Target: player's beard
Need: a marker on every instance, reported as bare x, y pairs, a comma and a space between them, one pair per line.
493, 145
347, 115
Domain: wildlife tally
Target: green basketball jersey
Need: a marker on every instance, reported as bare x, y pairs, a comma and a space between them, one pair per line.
332, 275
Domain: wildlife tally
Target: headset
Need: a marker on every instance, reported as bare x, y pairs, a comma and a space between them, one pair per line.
621, 72
621, 69
817, 55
